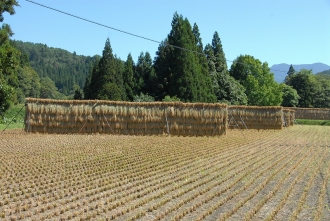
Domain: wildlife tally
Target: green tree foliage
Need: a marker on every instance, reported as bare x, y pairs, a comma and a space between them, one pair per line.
120, 66
78, 94
291, 71
184, 66
261, 88
211, 67
88, 89
106, 82
205, 90
225, 87
163, 69
6, 93
128, 78
5, 33
17, 79
314, 90
143, 98
323, 93
64, 68
28, 83
48, 89
290, 96
327, 72
179, 71
306, 85
7, 6
9, 62
139, 73
167, 98
219, 56
110, 91
231, 91
145, 76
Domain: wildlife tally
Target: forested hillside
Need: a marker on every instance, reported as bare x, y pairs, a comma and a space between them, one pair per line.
64, 68
324, 73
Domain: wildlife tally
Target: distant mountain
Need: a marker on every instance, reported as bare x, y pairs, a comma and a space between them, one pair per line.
327, 72
280, 70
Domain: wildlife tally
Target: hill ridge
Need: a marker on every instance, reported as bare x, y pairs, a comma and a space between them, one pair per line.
280, 70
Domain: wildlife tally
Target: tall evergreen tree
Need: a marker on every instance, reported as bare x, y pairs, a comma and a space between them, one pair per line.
120, 67
150, 77
180, 68
145, 76
198, 39
89, 90
290, 74
225, 87
107, 66
220, 59
185, 74
128, 77
291, 71
205, 89
5, 33
211, 66
163, 69
139, 73
78, 94
106, 80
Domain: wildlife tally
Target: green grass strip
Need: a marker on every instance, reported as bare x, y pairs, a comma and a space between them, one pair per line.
313, 122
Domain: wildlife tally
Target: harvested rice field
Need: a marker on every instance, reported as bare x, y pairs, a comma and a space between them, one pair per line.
254, 175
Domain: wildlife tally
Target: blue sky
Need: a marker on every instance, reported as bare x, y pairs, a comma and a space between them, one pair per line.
275, 31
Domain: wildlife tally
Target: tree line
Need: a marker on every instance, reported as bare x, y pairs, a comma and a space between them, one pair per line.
185, 70
182, 70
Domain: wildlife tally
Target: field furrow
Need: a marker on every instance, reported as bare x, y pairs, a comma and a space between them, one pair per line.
249, 175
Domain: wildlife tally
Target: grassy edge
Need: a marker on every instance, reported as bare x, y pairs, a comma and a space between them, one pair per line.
16, 110
313, 122
11, 126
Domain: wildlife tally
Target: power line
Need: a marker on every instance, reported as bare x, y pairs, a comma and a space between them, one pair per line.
93, 22
134, 35
116, 29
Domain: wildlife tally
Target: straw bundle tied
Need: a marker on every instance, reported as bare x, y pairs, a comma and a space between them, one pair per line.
311, 113
253, 117
136, 118
289, 116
